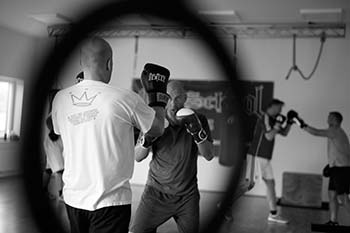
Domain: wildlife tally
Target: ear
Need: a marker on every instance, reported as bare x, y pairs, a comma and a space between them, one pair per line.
109, 64
185, 98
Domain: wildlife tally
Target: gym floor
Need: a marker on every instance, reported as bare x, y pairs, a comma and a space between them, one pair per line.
250, 213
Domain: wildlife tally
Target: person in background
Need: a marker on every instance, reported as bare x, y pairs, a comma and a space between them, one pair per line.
338, 154
267, 128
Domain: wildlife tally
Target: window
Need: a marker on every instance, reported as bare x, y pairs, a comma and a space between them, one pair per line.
11, 97
4, 93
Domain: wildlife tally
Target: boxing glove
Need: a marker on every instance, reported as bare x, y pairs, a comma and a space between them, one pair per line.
192, 123
293, 117
54, 137
280, 119
154, 79
290, 116
300, 122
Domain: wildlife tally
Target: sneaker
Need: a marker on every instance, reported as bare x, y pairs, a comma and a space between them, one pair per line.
277, 219
331, 223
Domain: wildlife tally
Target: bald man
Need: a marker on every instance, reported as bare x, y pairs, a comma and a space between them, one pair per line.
338, 154
171, 189
95, 121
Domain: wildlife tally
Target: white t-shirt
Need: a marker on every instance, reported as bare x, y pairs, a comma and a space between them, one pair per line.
95, 121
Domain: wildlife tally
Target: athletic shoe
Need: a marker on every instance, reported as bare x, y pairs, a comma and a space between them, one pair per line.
331, 223
275, 218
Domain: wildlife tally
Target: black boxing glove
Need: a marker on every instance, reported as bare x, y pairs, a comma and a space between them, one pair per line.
192, 123
290, 116
300, 122
293, 117
53, 137
280, 119
154, 79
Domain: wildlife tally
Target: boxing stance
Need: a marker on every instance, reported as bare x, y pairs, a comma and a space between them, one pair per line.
266, 129
171, 189
95, 121
338, 154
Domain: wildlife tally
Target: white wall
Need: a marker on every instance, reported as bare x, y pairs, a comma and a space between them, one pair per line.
19, 55
261, 60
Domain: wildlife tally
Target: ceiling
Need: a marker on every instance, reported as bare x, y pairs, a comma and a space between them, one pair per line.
16, 14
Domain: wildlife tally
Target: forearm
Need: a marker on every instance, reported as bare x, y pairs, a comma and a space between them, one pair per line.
59, 181
315, 132
270, 135
284, 131
206, 149
157, 128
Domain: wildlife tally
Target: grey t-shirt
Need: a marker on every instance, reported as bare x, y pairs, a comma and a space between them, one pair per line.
173, 168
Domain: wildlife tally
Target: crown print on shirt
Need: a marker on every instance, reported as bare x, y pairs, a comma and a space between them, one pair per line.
83, 100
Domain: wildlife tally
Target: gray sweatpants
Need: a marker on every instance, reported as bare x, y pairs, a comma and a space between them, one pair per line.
157, 207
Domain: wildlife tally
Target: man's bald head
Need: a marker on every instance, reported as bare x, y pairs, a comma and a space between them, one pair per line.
178, 97
96, 59
175, 88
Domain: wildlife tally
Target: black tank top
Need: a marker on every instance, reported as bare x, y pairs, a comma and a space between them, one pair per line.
265, 149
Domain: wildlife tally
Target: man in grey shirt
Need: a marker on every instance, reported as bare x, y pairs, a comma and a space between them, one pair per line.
171, 190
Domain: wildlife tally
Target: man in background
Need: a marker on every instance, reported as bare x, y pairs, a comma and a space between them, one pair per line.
266, 129
338, 154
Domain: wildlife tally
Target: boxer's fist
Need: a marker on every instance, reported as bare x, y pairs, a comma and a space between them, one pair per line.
279, 120
192, 123
300, 122
154, 79
53, 137
290, 116
293, 117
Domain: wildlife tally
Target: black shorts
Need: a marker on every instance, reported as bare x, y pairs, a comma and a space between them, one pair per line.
113, 219
339, 180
